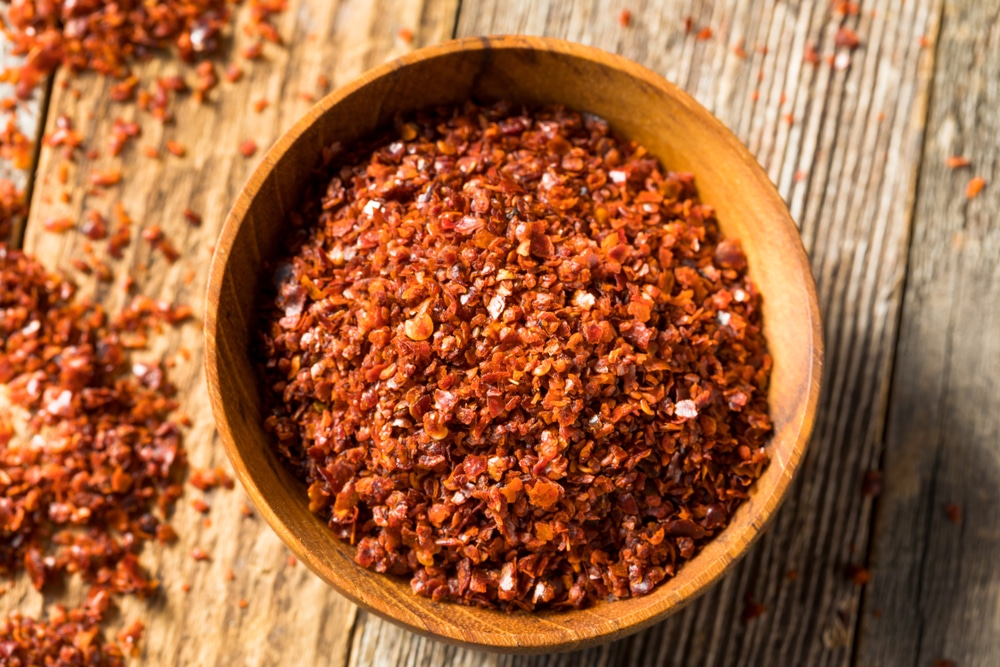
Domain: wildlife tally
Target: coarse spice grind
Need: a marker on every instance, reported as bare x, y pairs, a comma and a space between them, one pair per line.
513, 359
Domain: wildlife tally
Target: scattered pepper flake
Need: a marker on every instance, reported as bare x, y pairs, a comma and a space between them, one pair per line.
199, 554
625, 18
260, 104
704, 34
248, 148
974, 187
244, 604
176, 148
406, 35
954, 512
846, 38
957, 161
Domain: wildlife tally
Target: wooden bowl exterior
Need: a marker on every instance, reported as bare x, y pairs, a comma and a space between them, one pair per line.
641, 106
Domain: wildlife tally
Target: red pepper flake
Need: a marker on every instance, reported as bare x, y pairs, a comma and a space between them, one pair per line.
323, 83
954, 512
95, 227
740, 50
248, 148
186, 587
306, 96
625, 18
941, 662
62, 172
233, 73
57, 225
165, 534
957, 161
515, 382
106, 178
228, 575
254, 51
974, 187
704, 34
810, 55
755, 95
406, 35
208, 479
244, 604
156, 239
789, 118
193, 218
752, 609
761, 49
792, 575
260, 104
176, 148
246, 511
782, 99
200, 505
150, 152
199, 554
846, 38
688, 25
871, 487
924, 41
291, 561
858, 575
847, 8
129, 637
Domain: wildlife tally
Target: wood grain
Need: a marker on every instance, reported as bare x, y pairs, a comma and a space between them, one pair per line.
935, 582
291, 613
847, 166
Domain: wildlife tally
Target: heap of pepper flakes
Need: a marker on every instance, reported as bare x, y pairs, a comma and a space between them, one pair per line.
67, 638
515, 361
93, 465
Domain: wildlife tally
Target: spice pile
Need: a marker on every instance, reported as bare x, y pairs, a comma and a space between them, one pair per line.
514, 360
90, 446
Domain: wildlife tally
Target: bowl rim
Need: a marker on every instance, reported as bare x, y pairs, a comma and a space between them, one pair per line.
545, 637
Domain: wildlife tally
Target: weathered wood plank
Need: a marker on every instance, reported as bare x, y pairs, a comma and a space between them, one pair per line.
935, 582
292, 617
846, 163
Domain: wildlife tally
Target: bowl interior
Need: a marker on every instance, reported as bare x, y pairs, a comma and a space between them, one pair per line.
642, 107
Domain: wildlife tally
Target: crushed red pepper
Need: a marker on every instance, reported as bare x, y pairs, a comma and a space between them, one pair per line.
514, 360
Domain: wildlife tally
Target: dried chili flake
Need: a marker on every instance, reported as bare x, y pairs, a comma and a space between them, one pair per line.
106, 178
291, 561
974, 187
954, 512
97, 451
17, 148
129, 637
859, 575
193, 218
943, 662
248, 148
246, 511
210, 478
846, 38
625, 18
957, 161
871, 487
176, 148
233, 73
57, 225
244, 604
66, 637
200, 505
810, 55
739, 50
260, 104
253, 52
199, 554
406, 35
502, 350
704, 34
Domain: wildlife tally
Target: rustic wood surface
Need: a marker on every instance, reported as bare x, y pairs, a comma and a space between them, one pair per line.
894, 257
936, 580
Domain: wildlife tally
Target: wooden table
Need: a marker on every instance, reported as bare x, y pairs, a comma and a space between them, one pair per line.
908, 277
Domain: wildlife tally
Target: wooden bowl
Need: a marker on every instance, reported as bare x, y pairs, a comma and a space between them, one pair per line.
641, 106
